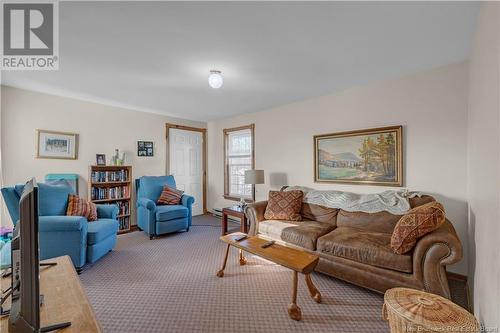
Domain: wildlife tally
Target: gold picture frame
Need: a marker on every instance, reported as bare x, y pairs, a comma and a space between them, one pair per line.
56, 145
362, 157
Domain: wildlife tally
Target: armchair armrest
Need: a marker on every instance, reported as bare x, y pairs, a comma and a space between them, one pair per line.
187, 200
107, 211
255, 214
431, 255
62, 223
146, 203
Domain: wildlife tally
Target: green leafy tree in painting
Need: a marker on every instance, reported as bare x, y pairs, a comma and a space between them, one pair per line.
367, 153
379, 155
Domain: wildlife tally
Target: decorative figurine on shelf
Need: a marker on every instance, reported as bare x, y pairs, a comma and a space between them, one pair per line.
116, 160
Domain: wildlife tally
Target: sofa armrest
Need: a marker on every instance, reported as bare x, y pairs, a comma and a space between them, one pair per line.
62, 223
146, 203
187, 200
431, 255
255, 214
107, 211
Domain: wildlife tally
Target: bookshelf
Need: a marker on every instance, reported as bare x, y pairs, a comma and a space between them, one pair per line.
112, 184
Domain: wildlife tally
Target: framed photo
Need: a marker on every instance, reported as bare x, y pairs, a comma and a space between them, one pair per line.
371, 157
145, 148
100, 159
59, 145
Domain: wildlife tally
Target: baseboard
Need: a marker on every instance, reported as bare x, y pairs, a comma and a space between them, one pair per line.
456, 276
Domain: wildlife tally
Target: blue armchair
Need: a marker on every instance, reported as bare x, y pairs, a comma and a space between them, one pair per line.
85, 242
157, 220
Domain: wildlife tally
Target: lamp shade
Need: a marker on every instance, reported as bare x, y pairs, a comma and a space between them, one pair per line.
254, 177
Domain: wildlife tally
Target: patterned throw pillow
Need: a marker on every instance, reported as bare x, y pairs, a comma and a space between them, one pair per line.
418, 222
170, 196
284, 205
81, 207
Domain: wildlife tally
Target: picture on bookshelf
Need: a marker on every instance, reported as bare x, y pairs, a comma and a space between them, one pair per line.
100, 159
145, 148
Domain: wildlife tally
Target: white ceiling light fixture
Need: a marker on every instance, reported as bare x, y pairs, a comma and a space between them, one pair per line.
215, 79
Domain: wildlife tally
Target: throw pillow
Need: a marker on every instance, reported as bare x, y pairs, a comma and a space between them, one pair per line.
418, 222
170, 196
81, 207
284, 205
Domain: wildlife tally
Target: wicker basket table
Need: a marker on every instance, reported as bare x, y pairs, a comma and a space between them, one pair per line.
409, 310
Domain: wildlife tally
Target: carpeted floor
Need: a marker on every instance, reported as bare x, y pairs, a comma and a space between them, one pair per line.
169, 285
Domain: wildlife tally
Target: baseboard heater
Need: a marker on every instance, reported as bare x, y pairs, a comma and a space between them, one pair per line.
218, 213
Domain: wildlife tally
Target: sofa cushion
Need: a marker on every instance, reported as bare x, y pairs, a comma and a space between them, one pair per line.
378, 222
416, 223
306, 233
319, 213
170, 196
171, 212
303, 234
100, 230
274, 228
284, 205
53, 198
151, 186
367, 247
80, 207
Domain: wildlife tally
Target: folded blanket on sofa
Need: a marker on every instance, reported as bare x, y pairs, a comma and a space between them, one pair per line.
394, 202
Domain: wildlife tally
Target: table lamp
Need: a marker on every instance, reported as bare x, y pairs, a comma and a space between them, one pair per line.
253, 177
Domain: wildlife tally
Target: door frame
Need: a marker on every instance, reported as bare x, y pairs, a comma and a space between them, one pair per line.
203, 132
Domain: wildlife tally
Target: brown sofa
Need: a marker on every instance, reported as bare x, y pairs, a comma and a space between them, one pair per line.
355, 246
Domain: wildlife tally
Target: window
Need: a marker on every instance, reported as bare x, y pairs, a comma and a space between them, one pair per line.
238, 157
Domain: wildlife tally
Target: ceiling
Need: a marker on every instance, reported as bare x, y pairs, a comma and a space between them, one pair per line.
156, 56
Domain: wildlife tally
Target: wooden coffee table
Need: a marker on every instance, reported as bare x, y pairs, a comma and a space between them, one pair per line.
298, 261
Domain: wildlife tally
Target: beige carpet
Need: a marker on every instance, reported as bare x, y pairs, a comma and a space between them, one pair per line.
169, 285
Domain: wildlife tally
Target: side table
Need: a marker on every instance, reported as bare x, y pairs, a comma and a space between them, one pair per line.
238, 212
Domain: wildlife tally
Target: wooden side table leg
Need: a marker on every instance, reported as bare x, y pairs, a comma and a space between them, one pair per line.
243, 226
224, 224
220, 273
315, 294
293, 310
243, 260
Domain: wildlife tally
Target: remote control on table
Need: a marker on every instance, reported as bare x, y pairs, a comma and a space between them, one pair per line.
267, 244
240, 238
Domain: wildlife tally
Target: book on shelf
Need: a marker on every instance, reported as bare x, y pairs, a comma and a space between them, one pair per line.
107, 193
123, 208
124, 222
113, 185
109, 176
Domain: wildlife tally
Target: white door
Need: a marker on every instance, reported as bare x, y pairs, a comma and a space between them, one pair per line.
186, 164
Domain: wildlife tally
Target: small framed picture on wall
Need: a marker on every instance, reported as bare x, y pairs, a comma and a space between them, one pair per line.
145, 148
100, 159
54, 144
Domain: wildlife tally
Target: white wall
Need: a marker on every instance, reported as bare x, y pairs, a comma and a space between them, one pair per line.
101, 129
484, 166
432, 106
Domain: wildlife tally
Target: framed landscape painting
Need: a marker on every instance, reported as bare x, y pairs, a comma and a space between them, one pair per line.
59, 145
371, 157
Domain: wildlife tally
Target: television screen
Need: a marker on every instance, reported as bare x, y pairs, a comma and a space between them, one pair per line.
25, 308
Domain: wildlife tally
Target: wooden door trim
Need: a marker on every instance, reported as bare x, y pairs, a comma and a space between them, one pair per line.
203, 132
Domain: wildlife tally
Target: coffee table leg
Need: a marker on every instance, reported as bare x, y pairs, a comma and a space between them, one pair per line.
220, 273
293, 310
312, 289
243, 260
